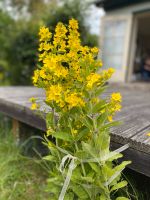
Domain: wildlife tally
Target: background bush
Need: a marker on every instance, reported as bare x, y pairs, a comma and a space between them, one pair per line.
18, 38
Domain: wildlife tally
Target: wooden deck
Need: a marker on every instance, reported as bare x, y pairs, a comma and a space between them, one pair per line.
135, 115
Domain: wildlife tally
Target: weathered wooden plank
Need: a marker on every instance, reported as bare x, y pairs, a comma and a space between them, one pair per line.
140, 160
132, 124
135, 115
22, 113
141, 141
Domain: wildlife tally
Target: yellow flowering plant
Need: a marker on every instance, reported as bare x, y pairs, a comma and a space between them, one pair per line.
82, 164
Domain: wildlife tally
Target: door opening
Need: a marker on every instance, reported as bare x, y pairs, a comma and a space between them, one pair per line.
141, 63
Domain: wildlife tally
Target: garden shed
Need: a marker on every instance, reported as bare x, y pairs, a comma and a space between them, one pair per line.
125, 37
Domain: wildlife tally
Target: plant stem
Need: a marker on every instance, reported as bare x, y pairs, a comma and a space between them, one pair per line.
82, 166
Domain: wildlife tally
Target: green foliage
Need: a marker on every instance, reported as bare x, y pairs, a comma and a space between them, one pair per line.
95, 175
22, 56
20, 177
6, 26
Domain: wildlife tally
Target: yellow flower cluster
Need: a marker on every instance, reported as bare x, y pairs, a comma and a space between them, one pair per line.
74, 100
115, 104
92, 79
67, 70
44, 34
34, 105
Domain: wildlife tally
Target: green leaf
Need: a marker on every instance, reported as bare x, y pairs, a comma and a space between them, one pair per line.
95, 167
107, 170
69, 196
102, 197
80, 192
115, 157
99, 106
49, 119
88, 179
101, 119
87, 121
76, 175
82, 154
100, 90
91, 174
111, 124
63, 136
53, 189
122, 165
82, 133
89, 149
119, 185
117, 171
103, 141
50, 158
122, 198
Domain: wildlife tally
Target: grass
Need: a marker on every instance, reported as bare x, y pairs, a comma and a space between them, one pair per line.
138, 185
21, 178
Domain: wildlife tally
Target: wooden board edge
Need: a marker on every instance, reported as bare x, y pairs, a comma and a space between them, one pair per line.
140, 160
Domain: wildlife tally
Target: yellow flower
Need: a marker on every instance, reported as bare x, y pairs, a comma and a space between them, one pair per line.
35, 77
92, 79
111, 70
108, 73
148, 134
53, 93
34, 106
50, 62
45, 34
60, 35
42, 74
45, 46
116, 97
94, 50
99, 63
117, 107
110, 118
32, 100
73, 24
60, 71
74, 132
49, 131
95, 100
74, 100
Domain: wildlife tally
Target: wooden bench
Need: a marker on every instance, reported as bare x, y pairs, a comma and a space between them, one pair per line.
135, 115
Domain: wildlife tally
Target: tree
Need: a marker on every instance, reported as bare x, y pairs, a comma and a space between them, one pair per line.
6, 34
72, 9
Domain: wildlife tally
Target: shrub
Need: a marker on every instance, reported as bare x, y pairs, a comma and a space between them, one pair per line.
22, 56
6, 24
82, 164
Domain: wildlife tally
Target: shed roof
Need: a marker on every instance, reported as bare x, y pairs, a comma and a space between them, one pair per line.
113, 4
